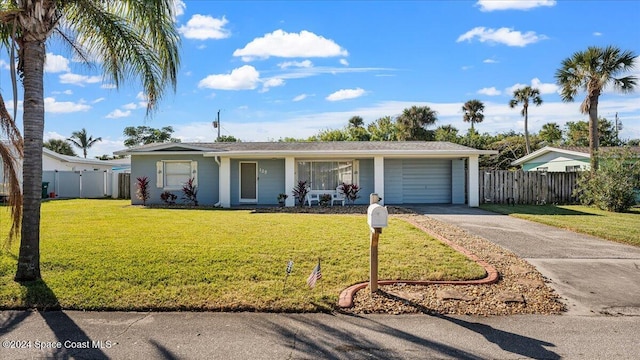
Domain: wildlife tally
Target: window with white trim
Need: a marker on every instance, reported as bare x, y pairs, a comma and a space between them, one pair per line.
327, 175
173, 174
573, 168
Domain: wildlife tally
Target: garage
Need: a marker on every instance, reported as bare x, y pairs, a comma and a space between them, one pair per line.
417, 181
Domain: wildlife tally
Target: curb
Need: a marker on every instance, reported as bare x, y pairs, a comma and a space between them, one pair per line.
346, 296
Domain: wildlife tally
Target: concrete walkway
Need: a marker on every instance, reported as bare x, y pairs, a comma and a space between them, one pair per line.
594, 276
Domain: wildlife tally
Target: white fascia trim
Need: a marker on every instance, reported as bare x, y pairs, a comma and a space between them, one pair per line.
545, 150
351, 154
164, 153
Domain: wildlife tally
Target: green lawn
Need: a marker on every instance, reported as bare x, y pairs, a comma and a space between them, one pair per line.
620, 227
108, 255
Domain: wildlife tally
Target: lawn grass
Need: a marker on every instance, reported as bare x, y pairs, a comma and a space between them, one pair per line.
108, 255
619, 227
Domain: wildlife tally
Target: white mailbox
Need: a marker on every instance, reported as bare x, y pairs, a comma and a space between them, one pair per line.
377, 216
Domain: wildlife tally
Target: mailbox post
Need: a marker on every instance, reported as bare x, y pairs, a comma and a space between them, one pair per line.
377, 217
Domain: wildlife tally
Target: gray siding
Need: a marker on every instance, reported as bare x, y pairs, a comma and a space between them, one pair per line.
145, 165
270, 181
392, 181
366, 180
458, 181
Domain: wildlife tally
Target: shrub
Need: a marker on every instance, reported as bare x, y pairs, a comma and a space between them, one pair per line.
300, 192
324, 200
612, 186
142, 191
350, 192
168, 198
190, 192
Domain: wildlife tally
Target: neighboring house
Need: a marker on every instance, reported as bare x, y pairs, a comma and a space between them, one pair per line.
52, 161
559, 159
232, 174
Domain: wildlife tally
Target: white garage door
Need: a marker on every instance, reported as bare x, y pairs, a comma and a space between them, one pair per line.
417, 181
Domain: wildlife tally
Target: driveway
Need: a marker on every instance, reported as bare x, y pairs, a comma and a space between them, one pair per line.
592, 275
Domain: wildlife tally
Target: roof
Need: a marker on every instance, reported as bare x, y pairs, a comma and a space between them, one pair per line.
76, 159
314, 148
582, 151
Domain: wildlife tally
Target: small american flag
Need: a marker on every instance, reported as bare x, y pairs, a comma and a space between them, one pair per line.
315, 275
289, 267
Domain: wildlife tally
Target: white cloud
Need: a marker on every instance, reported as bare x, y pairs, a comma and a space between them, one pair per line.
62, 107
492, 5
178, 7
492, 91
344, 62
80, 80
503, 35
289, 45
130, 106
297, 64
203, 27
490, 61
117, 113
56, 63
345, 94
545, 88
597, 33
98, 100
271, 82
245, 77
108, 86
300, 97
4, 65
466, 67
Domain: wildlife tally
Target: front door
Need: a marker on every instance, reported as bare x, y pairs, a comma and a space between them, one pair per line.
248, 182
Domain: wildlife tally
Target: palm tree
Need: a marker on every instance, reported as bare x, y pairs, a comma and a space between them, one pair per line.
413, 121
524, 96
79, 139
128, 37
472, 110
59, 146
592, 70
550, 133
10, 155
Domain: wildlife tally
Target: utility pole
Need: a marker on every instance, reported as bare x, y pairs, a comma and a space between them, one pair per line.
216, 125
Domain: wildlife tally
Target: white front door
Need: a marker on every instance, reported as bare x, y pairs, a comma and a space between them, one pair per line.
248, 182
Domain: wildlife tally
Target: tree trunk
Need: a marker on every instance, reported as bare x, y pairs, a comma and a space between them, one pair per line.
526, 130
594, 138
33, 122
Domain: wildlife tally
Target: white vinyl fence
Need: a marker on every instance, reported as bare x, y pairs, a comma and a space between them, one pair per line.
81, 184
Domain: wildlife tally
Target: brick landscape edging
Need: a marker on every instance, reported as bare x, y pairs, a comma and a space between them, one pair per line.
346, 296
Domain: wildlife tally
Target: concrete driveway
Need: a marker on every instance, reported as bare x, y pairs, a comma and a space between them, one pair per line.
593, 276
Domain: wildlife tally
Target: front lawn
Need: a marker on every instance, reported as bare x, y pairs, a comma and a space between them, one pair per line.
620, 227
108, 255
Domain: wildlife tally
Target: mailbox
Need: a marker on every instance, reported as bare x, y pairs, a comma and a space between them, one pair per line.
377, 216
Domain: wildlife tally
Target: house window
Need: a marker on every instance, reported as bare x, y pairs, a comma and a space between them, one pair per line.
326, 175
173, 174
542, 169
573, 168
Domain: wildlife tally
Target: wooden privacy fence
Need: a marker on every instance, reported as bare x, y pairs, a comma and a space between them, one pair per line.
124, 186
527, 187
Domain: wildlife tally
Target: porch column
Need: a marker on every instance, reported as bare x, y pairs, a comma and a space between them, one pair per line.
289, 179
378, 176
224, 181
474, 197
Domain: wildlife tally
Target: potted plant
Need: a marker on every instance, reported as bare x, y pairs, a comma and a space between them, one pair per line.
282, 198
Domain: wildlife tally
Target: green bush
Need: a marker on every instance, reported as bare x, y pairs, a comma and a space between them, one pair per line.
612, 186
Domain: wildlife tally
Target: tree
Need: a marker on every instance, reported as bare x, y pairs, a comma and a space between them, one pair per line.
144, 135
383, 129
472, 111
356, 122
578, 133
10, 155
524, 96
80, 139
227, 138
330, 135
591, 71
129, 38
413, 122
446, 133
59, 146
550, 133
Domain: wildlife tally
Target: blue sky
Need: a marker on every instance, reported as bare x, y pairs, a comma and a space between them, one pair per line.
291, 69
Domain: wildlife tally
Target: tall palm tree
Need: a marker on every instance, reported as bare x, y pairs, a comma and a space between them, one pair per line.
524, 96
129, 38
592, 70
472, 110
80, 139
413, 121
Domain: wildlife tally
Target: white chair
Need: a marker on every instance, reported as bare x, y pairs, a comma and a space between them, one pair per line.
338, 196
311, 197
